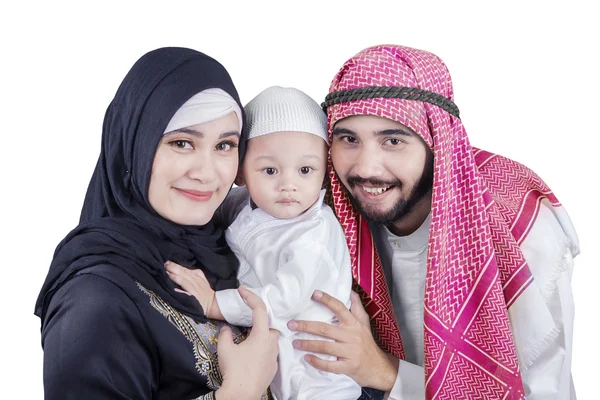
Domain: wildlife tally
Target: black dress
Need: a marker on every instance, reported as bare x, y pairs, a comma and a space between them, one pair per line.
112, 325
106, 336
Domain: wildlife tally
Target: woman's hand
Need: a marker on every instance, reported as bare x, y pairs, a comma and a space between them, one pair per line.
249, 367
358, 356
194, 283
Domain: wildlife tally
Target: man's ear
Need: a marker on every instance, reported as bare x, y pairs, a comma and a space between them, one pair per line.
239, 179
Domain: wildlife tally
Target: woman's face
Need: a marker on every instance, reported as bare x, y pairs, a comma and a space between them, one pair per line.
193, 169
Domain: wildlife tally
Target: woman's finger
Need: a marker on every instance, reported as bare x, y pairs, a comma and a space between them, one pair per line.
224, 341
260, 318
200, 274
175, 268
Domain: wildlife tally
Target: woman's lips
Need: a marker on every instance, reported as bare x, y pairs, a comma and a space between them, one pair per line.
195, 194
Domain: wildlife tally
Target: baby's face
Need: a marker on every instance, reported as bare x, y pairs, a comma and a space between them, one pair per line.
284, 172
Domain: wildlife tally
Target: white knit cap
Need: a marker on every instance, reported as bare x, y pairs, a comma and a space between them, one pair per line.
279, 109
208, 105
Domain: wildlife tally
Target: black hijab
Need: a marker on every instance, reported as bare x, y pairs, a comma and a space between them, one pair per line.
118, 227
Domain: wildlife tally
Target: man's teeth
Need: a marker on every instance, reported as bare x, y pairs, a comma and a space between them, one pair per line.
375, 190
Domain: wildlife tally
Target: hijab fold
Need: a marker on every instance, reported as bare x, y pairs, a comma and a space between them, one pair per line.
118, 227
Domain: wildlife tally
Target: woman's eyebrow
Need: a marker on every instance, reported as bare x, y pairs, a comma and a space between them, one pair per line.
199, 134
189, 131
229, 134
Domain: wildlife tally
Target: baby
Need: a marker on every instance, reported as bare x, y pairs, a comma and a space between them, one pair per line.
288, 242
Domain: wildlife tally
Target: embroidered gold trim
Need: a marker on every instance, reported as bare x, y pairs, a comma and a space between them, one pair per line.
203, 338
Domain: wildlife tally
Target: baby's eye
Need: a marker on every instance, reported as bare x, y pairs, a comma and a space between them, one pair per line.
305, 170
270, 171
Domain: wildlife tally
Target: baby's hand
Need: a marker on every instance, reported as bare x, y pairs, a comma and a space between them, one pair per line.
194, 284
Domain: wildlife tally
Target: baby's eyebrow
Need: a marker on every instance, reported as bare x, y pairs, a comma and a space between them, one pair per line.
312, 157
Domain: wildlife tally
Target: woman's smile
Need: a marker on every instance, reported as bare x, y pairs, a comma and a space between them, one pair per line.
195, 195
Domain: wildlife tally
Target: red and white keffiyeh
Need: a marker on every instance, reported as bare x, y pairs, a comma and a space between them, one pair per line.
483, 206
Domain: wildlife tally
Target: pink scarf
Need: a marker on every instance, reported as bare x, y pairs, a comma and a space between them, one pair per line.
482, 208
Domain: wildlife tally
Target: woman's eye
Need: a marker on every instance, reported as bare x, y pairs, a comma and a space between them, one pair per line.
182, 144
305, 170
270, 171
226, 146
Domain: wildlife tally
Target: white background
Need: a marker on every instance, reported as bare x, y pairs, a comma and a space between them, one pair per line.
525, 78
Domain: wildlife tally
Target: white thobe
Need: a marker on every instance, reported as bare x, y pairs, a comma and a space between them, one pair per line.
284, 261
543, 338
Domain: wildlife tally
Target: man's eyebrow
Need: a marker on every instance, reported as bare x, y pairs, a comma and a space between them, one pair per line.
388, 132
384, 132
340, 131
199, 134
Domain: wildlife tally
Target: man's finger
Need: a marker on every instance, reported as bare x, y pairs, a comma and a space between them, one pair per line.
322, 347
323, 329
260, 318
357, 309
338, 308
336, 367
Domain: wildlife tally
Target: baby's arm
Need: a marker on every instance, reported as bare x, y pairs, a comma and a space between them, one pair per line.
194, 283
306, 267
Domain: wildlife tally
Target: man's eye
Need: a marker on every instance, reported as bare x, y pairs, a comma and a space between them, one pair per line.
393, 142
349, 139
270, 171
305, 170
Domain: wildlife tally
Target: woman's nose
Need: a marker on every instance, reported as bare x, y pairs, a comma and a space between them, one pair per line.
203, 169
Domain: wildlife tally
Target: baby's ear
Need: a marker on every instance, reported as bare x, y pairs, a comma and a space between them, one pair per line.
239, 179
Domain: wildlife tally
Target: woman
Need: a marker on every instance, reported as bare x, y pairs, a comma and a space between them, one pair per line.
113, 325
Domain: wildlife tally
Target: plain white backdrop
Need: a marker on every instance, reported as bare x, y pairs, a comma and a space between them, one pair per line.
525, 78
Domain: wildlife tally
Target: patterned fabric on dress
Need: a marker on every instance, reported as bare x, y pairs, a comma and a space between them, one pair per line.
483, 206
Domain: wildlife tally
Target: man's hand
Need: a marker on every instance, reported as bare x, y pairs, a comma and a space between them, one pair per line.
358, 356
194, 283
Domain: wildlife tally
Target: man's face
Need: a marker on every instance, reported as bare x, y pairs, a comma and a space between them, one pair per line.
385, 166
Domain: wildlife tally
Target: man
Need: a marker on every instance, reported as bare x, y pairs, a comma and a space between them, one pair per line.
463, 258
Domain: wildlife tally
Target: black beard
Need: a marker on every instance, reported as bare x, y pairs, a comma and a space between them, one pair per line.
403, 206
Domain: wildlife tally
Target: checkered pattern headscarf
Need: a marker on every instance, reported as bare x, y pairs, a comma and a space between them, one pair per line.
483, 206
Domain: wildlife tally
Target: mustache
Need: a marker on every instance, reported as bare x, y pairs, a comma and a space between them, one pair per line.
357, 180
